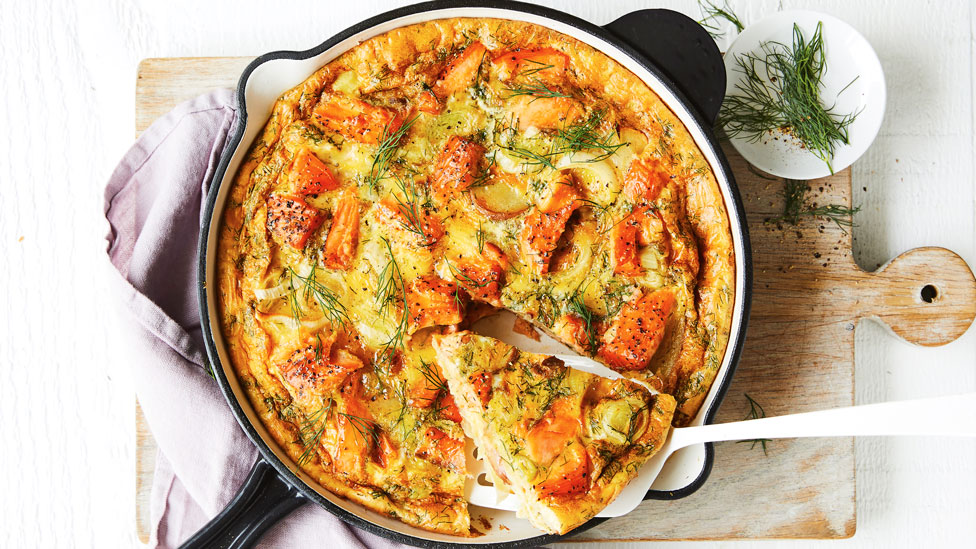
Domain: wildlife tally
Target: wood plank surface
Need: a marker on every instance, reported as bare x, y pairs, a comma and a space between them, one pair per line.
799, 355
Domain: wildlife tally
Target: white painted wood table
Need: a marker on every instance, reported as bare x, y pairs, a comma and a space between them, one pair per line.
68, 69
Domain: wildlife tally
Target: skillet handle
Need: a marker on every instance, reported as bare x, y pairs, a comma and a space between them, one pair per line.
263, 500
682, 50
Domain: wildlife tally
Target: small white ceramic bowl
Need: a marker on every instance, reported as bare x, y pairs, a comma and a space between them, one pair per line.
848, 56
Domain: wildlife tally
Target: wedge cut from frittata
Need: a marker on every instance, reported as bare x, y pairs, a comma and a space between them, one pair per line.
563, 441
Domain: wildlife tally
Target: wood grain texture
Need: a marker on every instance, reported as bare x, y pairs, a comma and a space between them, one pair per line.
808, 296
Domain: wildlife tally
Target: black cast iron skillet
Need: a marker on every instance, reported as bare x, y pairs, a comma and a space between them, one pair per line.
669, 45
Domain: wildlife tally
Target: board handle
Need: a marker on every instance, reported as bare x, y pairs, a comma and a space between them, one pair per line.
927, 296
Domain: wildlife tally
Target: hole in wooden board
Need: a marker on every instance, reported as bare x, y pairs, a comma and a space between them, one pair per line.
474, 452
929, 293
483, 480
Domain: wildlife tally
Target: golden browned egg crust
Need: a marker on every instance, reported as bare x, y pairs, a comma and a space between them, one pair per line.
432, 175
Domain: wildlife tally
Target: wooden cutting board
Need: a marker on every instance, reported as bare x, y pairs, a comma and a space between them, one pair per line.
808, 297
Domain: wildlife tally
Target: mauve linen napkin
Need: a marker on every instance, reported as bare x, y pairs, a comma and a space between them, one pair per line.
153, 203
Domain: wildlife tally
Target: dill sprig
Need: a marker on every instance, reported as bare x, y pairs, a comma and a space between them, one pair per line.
539, 66
386, 151
433, 379
463, 279
796, 206
326, 299
310, 432
577, 306
781, 91
411, 207
755, 412
366, 429
581, 136
587, 136
480, 235
391, 289
536, 88
712, 14
532, 158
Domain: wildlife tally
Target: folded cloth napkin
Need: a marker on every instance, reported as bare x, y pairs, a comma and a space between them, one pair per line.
153, 205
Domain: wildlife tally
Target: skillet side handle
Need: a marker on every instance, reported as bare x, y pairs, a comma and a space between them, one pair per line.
682, 49
263, 500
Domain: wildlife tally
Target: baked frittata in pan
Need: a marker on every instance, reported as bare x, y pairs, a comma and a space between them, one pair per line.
430, 176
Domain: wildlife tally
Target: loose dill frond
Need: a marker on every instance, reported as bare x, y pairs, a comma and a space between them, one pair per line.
391, 289
842, 216
536, 88
465, 280
479, 236
434, 381
537, 66
755, 412
411, 208
366, 429
781, 91
310, 432
532, 158
400, 393
713, 14
586, 135
576, 305
386, 152
796, 206
326, 299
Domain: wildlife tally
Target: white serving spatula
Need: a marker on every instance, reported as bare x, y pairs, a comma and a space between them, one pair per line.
956, 417
941, 416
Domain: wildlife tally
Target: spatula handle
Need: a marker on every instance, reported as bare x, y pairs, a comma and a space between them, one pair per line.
941, 416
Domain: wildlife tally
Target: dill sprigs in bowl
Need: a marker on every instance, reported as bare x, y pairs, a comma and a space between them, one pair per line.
781, 91
805, 94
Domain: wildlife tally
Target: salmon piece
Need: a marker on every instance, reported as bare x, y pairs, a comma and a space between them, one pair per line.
540, 235
573, 328
343, 240
425, 384
624, 250
386, 451
482, 383
413, 219
310, 370
291, 220
569, 476
461, 71
643, 182
543, 112
431, 301
482, 276
350, 446
559, 193
311, 175
441, 449
547, 438
449, 409
547, 64
429, 103
355, 119
636, 332
456, 167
